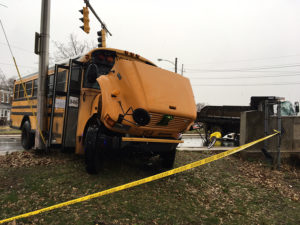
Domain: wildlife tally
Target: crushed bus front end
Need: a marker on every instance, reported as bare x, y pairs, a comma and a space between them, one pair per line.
139, 106
146, 101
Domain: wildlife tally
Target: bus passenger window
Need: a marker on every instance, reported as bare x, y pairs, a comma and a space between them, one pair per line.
29, 88
50, 81
35, 87
87, 83
21, 92
61, 80
75, 81
16, 91
104, 61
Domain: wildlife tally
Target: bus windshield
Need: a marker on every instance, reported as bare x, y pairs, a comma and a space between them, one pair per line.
105, 61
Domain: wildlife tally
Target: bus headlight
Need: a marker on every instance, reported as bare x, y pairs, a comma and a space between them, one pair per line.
141, 116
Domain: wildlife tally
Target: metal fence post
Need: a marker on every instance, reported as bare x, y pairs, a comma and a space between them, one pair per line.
279, 135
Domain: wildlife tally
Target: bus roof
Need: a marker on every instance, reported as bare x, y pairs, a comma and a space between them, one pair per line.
84, 58
120, 53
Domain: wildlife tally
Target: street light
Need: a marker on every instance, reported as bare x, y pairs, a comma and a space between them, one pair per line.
175, 64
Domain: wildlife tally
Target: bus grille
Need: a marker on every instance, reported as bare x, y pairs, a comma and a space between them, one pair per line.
178, 123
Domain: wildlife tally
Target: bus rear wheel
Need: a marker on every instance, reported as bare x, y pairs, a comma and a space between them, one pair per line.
27, 137
93, 156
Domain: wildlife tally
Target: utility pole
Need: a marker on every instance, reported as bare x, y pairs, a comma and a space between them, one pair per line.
43, 72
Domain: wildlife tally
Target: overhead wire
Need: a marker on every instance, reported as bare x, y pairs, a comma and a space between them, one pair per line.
248, 71
242, 69
254, 84
19, 48
246, 60
3, 5
244, 77
10, 64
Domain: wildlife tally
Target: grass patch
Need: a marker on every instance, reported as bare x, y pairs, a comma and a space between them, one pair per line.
228, 191
8, 130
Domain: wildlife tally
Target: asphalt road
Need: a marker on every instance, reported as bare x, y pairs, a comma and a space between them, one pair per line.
10, 143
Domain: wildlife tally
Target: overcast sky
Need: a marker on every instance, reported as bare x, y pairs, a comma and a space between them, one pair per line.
231, 49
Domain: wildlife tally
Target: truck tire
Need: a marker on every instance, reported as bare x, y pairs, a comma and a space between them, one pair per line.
27, 136
168, 157
93, 158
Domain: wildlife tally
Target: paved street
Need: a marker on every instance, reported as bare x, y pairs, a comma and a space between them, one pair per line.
10, 143
193, 142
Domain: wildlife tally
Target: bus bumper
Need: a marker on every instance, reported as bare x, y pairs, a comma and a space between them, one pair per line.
153, 140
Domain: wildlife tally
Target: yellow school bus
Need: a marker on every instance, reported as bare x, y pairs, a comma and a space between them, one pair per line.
106, 100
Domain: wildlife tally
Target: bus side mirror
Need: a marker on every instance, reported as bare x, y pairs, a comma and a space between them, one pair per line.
92, 73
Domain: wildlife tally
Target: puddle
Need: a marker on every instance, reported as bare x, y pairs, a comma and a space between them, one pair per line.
9, 145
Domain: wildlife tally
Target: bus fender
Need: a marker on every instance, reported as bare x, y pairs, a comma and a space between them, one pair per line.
96, 107
92, 120
26, 118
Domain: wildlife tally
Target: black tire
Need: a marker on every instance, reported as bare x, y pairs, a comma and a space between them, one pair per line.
93, 157
27, 136
168, 157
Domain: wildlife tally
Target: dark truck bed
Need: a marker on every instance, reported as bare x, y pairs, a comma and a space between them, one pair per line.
226, 119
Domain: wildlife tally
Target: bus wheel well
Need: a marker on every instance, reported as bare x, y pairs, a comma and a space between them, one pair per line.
92, 120
25, 118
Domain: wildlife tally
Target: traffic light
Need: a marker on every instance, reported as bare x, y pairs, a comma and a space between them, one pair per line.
85, 19
101, 38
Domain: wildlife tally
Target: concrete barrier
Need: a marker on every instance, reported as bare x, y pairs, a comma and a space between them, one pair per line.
252, 128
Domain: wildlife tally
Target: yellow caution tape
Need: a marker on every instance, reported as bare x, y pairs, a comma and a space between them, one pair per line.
142, 181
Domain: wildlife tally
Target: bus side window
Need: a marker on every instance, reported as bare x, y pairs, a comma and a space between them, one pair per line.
50, 81
61, 81
75, 81
87, 84
16, 93
35, 87
29, 88
21, 91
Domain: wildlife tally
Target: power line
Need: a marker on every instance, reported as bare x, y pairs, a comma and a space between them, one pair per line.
243, 69
248, 71
247, 60
257, 84
16, 47
245, 77
3, 5
10, 64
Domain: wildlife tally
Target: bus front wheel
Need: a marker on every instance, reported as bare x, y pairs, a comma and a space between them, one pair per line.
93, 158
168, 157
27, 137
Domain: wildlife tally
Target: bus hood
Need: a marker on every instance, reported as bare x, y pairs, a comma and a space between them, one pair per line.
131, 85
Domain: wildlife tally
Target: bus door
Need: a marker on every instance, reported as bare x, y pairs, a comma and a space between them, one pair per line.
65, 104
72, 104
57, 104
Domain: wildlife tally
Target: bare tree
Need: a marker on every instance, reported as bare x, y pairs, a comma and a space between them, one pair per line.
73, 48
6, 83
10, 82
